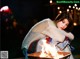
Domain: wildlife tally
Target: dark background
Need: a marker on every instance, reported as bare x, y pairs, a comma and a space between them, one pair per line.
26, 13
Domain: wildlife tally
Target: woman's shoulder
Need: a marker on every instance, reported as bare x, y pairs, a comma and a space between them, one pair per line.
41, 25
47, 19
43, 22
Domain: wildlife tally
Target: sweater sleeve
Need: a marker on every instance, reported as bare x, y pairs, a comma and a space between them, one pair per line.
70, 36
67, 34
53, 32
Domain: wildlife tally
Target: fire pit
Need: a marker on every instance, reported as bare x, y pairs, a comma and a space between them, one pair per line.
36, 55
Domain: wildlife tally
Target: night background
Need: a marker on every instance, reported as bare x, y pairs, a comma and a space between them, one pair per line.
23, 14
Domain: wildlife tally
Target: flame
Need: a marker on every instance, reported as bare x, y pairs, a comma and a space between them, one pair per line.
49, 51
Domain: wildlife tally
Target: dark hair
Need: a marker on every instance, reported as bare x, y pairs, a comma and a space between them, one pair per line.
68, 16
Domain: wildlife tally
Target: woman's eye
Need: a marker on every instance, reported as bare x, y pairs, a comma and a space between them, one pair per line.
66, 24
63, 21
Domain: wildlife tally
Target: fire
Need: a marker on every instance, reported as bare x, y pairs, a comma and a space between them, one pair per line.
49, 51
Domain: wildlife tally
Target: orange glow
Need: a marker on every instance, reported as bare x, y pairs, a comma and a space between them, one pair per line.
14, 23
47, 49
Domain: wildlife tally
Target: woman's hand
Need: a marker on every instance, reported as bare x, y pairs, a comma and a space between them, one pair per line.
70, 36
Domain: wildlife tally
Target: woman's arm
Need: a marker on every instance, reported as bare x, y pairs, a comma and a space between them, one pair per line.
70, 36
52, 31
67, 34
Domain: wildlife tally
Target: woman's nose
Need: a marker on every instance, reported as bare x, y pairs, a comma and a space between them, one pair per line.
63, 26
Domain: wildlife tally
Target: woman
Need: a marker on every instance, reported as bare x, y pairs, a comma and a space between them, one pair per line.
47, 27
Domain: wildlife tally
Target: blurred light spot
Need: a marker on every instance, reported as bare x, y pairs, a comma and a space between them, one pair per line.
14, 23
75, 24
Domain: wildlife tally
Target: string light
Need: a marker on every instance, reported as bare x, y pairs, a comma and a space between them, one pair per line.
67, 10
58, 8
75, 5
73, 11
69, 6
75, 24
60, 11
50, 1
77, 8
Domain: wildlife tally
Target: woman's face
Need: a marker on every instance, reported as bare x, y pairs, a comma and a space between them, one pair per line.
62, 24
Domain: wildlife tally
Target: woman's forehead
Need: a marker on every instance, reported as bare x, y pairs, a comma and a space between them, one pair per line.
65, 20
